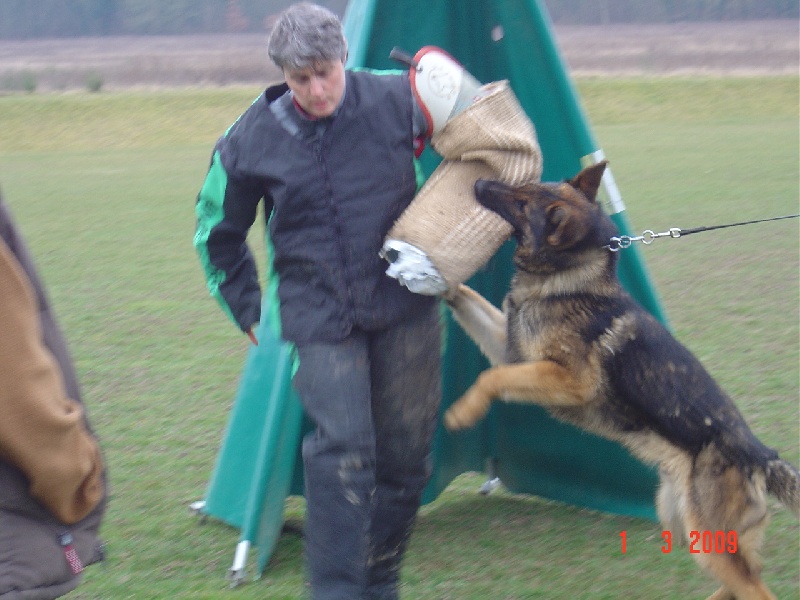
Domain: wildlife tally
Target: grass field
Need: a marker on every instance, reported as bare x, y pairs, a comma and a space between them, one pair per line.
103, 186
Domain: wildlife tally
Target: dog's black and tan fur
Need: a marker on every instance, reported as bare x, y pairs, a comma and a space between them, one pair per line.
570, 339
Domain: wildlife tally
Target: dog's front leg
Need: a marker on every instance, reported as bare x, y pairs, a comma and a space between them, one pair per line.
542, 382
482, 320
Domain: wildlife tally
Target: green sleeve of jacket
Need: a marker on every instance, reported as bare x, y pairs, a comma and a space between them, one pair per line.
225, 211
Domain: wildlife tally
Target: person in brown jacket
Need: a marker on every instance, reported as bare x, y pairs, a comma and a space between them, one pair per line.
52, 476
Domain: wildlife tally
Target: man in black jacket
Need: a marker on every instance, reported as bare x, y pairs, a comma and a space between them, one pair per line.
331, 154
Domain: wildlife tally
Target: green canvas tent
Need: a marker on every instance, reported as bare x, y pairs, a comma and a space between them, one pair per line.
259, 465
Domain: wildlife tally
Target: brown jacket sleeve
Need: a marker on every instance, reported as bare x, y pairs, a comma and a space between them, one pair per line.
42, 430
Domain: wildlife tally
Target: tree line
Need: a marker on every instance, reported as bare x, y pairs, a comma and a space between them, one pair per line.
668, 11
23, 19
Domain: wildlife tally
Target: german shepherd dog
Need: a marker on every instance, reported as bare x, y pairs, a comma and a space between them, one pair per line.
570, 339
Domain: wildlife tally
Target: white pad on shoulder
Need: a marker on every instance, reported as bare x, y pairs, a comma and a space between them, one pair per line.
442, 86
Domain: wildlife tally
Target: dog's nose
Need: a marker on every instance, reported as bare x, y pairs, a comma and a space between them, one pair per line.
480, 186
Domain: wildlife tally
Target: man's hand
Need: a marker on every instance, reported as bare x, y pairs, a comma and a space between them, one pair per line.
251, 334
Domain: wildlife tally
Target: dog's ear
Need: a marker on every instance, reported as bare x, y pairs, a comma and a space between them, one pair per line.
564, 228
588, 180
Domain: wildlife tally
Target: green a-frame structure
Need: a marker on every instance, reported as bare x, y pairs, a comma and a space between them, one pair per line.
259, 466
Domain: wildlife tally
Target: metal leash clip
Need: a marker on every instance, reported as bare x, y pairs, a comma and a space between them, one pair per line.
621, 242
624, 241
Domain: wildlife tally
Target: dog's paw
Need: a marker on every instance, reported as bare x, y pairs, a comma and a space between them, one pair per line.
467, 410
452, 421
453, 293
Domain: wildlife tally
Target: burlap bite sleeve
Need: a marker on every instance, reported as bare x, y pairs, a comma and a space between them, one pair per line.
491, 139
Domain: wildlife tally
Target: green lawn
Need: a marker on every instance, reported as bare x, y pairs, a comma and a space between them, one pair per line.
103, 186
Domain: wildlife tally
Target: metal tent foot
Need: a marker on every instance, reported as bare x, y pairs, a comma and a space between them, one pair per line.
493, 482
198, 510
236, 574
489, 486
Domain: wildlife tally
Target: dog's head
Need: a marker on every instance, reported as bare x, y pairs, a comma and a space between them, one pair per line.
555, 224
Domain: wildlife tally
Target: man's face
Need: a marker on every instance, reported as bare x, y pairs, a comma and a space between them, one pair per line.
318, 89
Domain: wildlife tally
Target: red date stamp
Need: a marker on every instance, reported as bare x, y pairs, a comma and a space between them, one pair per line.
700, 542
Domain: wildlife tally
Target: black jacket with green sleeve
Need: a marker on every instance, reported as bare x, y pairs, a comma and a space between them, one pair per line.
331, 189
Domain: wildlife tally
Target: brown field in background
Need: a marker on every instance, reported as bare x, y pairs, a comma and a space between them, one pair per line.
732, 48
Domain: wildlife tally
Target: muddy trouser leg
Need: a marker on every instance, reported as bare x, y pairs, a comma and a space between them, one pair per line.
333, 384
336, 383
406, 392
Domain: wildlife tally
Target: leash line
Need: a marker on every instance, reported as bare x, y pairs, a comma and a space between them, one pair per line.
699, 229
621, 242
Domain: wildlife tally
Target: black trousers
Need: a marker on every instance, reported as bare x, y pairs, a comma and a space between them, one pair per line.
374, 398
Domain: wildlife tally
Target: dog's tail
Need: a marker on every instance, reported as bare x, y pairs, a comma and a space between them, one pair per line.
783, 482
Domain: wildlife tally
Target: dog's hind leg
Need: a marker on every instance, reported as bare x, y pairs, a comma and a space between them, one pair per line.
722, 593
737, 585
739, 572
671, 503
724, 498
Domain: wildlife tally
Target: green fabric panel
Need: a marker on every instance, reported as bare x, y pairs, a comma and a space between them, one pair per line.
271, 304
209, 212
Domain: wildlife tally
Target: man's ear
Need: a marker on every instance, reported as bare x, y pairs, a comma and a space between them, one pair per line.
588, 180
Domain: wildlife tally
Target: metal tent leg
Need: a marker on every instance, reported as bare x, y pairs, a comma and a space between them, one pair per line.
493, 482
236, 574
198, 510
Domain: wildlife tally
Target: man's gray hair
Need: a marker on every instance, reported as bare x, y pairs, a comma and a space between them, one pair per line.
305, 34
